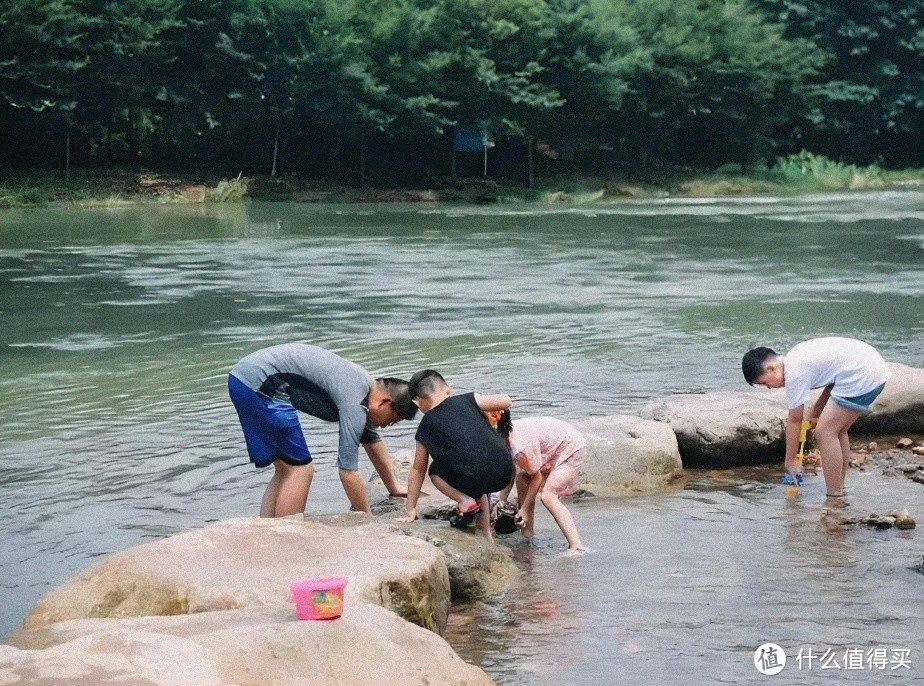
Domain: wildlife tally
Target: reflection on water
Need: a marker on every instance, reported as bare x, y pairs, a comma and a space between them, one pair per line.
119, 327
683, 588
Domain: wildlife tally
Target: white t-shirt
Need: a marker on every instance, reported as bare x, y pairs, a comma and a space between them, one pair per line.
854, 367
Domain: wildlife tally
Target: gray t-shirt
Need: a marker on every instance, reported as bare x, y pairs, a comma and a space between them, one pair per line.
319, 383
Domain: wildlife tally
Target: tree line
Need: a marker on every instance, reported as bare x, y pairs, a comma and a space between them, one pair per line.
337, 88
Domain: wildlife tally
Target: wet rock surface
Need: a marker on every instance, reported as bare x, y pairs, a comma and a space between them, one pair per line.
367, 646
725, 429
215, 601
875, 520
249, 563
905, 457
628, 455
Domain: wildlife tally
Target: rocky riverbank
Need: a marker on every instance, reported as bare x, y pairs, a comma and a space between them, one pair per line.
120, 186
211, 606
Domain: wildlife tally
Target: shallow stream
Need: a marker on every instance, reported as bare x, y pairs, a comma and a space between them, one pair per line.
119, 327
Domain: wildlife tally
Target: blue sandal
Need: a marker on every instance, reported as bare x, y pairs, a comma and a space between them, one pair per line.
789, 481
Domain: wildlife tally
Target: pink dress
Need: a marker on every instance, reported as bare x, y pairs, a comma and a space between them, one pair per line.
550, 445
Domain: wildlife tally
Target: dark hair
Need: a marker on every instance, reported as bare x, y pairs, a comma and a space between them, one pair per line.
504, 424
752, 364
397, 390
424, 383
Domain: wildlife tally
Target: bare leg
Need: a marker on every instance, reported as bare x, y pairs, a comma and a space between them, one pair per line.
832, 425
268, 506
292, 489
483, 521
563, 518
452, 492
845, 450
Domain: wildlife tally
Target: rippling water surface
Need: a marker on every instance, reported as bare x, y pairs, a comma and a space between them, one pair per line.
119, 327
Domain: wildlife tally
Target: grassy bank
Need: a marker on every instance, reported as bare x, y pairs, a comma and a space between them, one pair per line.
794, 175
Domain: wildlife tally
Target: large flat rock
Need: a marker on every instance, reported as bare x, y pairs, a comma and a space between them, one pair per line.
628, 455
248, 563
900, 407
477, 569
367, 646
725, 429
431, 505
732, 428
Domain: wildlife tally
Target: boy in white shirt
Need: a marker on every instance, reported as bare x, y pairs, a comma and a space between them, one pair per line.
851, 373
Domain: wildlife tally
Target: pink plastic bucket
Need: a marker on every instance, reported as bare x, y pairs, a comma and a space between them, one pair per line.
318, 598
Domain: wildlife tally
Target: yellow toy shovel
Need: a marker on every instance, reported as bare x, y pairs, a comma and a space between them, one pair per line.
791, 482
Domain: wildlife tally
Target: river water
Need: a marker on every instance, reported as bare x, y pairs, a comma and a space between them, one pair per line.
119, 327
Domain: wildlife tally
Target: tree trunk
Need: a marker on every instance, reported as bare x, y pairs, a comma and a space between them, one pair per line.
67, 155
453, 153
362, 157
275, 150
132, 141
109, 141
529, 141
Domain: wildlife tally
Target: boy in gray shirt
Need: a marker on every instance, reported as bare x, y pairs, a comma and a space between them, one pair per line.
269, 385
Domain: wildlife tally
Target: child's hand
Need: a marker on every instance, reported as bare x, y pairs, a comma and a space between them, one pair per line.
409, 516
521, 519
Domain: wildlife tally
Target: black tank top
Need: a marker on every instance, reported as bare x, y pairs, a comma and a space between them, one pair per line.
456, 434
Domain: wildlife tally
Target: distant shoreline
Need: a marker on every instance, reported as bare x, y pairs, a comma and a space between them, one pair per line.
123, 186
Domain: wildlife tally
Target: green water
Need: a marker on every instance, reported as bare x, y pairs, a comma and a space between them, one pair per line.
119, 327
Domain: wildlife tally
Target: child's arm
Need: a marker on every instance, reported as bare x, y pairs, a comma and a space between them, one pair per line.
415, 480
492, 403
504, 493
527, 502
793, 428
383, 462
813, 410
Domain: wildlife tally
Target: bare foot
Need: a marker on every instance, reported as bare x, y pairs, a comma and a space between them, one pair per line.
835, 500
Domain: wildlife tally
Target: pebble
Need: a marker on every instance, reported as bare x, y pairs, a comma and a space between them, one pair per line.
918, 477
918, 450
872, 447
903, 520
900, 520
904, 443
878, 521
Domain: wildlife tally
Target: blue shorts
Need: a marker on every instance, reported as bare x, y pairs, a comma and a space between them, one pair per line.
271, 428
860, 403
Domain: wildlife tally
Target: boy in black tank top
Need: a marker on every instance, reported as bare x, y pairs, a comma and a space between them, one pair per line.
470, 459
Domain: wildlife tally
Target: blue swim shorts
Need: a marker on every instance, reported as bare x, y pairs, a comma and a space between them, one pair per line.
860, 403
271, 428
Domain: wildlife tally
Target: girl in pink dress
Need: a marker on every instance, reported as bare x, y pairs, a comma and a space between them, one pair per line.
546, 452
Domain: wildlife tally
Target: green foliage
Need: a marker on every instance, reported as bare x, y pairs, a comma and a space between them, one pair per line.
41, 50
229, 190
868, 101
316, 85
25, 196
805, 167
720, 74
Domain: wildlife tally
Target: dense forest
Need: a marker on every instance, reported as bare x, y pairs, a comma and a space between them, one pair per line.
344, 89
